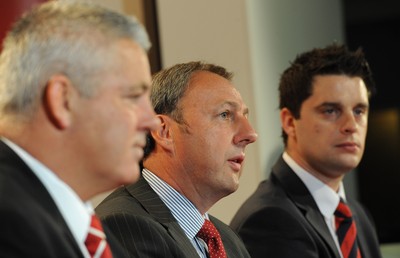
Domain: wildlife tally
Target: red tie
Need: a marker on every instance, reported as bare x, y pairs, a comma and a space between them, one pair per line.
210, 235
96, 240
346, 231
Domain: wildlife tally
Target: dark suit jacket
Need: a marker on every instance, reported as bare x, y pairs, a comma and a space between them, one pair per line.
282, 220
30, 223
146, 228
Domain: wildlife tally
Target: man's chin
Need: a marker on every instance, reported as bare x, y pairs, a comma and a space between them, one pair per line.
131, 176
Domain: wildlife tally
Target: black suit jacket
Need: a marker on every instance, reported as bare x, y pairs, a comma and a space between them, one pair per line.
282, 220
30, 223
146, 228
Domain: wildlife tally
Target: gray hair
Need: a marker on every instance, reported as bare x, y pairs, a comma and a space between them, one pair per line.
169, 85
61, 37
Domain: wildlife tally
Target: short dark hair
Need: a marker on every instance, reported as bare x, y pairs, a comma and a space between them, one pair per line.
296, 83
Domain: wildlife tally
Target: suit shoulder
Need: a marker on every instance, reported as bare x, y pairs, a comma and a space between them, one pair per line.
119, 201
268, 198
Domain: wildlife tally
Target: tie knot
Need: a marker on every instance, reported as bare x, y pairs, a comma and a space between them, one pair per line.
96, 224
212, 238
96, 240
208, 231
343, 210
346, 231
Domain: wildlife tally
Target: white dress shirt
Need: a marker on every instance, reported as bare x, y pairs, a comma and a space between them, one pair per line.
326, 198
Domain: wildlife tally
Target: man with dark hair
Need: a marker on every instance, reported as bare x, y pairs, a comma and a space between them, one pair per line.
301, 210
193, 160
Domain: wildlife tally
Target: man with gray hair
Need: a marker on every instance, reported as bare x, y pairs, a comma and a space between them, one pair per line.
192, 160
74, 114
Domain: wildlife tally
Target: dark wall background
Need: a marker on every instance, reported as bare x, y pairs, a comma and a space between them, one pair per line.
375, 26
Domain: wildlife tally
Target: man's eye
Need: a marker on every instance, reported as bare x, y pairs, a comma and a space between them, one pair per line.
359, 111
135, 96
329, 111
225, 114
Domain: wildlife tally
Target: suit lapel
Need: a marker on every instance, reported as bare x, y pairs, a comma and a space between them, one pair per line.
157, 209
142, 191
38, 192
183, 242
231, 247
303, 199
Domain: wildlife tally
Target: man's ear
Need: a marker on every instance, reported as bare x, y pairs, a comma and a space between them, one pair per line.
163, 134
288, 122
56, 100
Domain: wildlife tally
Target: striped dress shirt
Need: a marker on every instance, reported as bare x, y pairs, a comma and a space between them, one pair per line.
186, 214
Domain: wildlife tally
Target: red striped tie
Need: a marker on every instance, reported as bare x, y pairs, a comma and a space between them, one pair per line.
211, 236
96, 240
346, 231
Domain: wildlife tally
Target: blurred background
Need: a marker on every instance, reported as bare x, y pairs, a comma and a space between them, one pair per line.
257, 39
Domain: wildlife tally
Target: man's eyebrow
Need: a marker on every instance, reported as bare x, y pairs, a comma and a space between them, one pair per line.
337, 104
142, 87
329, 104
363, 105
236, 106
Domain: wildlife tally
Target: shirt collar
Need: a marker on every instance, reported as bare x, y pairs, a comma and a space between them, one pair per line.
183, 210
327, 200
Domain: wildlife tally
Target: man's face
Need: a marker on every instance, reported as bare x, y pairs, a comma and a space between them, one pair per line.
328, 139
210, 146
111, 126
